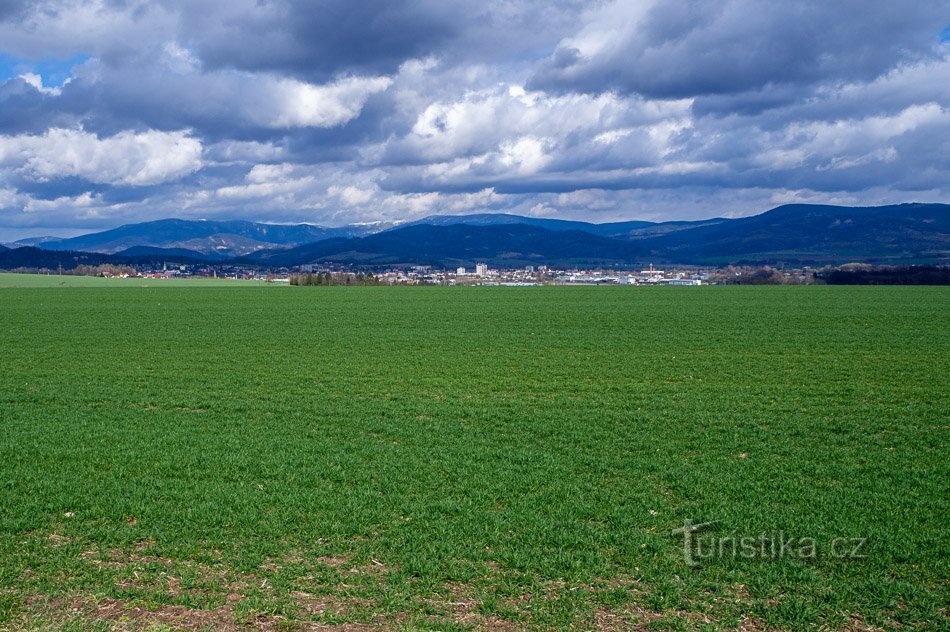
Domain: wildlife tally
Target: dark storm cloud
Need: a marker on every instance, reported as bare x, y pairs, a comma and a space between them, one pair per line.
682, 48
60, 187
316, 40
12, 8
25, 109
320, 39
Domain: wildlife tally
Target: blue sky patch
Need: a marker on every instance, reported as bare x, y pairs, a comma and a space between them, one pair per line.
53, 71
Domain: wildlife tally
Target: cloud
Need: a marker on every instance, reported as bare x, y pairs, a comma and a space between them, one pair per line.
510, 121
319, 41
63, 28
509, 138
86, 203
297, 104
352, 196
237, 152
36, 81
686, 48
135, 159
388, 110
169, 89
8, 198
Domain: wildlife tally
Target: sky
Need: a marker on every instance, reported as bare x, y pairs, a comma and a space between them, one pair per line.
345, 111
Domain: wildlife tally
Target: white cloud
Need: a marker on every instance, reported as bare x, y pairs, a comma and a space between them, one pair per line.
842, 144
505, 132
298, 104
127, 158
284, 184
612, 136
414, 204
885, 154
37, 82
179, 58
482, 120
352, 195
480, 200
525, 155
8, 198
83, 201
260, 174
233, 151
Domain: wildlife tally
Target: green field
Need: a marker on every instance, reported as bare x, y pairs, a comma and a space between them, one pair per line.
15, 280
454, 458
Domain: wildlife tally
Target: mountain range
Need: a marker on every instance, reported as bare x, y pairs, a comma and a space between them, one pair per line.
790, 235
228, 238
510, 245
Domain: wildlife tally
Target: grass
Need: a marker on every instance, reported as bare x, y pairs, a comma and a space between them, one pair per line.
450, 458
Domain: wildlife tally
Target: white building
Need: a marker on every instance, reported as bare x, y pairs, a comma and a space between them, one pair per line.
460, 272
481, 269
682, 282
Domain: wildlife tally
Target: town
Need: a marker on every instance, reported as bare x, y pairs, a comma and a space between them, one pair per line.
480, 275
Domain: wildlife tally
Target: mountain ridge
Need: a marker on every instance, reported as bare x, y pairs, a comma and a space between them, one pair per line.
807, 233
223, 237
458, 244
787, 235
622, 229
241, 238
792, 235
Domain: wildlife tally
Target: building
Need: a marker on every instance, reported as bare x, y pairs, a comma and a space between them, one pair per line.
682, 282
460, 272
481, 269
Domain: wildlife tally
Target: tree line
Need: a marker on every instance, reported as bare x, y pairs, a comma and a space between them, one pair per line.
335, 278
891, 275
